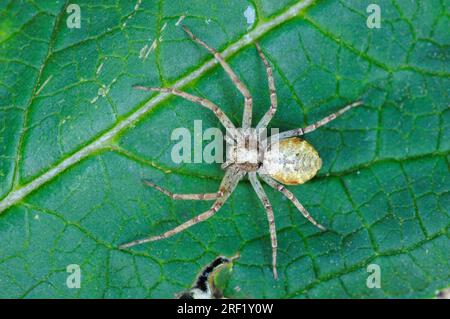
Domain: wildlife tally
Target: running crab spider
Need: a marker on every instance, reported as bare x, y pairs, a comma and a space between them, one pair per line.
294, 162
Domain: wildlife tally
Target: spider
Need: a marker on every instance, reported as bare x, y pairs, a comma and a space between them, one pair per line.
283, 158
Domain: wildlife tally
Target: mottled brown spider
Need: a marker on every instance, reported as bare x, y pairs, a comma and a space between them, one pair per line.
283, 157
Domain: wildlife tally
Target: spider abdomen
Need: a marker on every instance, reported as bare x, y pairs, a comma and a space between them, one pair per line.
292, 161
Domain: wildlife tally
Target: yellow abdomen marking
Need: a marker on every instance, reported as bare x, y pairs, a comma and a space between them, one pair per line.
292, 161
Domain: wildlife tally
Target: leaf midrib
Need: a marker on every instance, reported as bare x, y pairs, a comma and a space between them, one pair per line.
105, 138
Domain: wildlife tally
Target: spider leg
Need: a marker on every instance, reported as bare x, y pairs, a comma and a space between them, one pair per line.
312, 127
229, 140
270, 217
223, 118
201, 196
292, 198
248, 100
229, 182
273, 94
225, 164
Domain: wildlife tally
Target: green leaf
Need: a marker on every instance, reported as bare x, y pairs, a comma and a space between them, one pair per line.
76, 139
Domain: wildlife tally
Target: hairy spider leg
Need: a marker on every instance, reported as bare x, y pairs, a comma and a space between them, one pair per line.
223, 118
314, 126
272, 91
200, 196
228, 184
248, 100
288, 194
270, 217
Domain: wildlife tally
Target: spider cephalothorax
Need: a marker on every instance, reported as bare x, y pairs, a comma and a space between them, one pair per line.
283, 157
244, 150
